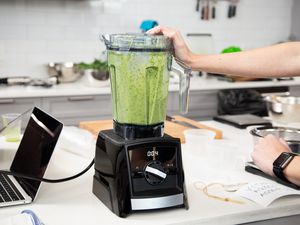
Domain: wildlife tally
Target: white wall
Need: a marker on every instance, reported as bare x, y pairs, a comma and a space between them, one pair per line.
34, 32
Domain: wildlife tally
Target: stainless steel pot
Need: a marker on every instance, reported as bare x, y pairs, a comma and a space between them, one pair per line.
283, 109
290, 135
65, 72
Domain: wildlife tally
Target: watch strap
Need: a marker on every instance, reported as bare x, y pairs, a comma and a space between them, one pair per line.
279, 173
281, 163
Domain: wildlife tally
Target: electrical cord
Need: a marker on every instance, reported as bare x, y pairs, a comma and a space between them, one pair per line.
20, 175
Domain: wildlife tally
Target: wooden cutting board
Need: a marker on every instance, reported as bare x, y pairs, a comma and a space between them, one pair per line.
173, 129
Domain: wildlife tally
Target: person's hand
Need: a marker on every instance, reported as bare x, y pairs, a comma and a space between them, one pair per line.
266, 151
181, 50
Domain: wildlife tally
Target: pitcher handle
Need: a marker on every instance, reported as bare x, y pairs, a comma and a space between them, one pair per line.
184, 85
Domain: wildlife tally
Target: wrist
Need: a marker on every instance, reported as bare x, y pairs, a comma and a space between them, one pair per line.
291, 171
281, 163
194, 61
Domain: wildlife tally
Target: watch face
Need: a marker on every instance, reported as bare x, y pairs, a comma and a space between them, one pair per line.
283, 160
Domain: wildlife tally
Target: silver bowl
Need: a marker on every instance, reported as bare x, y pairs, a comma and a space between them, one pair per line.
65, 72
283, 109
290, 135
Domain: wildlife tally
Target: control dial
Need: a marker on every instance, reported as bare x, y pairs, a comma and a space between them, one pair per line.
154, 173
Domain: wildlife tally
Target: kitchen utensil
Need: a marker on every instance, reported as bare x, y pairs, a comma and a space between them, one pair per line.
96, 78
137, 166
65, 72
197, 5
290, 135
183, 123
213, 9
23, 80
44, 83
283, 109
202, 12
206, 14
138, 175
139, 66
194, 138
20, 80
232, 8
229, 12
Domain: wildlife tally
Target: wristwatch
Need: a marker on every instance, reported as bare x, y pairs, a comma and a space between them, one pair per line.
281, 163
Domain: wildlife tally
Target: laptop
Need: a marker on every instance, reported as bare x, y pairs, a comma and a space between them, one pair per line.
32, 158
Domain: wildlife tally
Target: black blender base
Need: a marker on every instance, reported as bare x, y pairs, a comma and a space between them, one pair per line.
103, 193
101, 190
124, 185
131, 132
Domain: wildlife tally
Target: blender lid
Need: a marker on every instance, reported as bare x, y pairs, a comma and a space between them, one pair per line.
138, 42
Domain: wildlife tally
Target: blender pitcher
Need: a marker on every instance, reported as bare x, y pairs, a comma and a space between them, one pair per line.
139, 67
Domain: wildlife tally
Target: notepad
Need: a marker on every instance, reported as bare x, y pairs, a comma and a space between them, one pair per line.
265, 192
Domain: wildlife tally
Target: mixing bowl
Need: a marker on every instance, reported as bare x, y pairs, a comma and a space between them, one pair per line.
65, 72
283, 109
290, 135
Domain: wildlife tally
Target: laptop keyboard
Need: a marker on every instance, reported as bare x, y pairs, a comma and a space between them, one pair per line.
8, 191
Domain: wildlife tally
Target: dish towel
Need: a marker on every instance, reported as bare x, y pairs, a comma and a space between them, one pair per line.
27, 217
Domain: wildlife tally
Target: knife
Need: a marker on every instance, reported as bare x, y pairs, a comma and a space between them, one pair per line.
198, 6
182, 123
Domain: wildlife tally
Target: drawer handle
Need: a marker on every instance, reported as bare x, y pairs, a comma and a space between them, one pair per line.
81, 98
7, 101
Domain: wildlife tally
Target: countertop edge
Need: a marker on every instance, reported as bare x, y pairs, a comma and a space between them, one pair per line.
79, 88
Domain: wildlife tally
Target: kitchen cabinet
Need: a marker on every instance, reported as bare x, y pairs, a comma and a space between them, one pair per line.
202, 104
73, 109
94, 103
68, 109
18, 105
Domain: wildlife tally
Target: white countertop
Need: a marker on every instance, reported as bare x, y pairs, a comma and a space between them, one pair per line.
81, 88
73, 202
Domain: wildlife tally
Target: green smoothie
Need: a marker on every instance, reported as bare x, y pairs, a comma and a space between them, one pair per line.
139, 84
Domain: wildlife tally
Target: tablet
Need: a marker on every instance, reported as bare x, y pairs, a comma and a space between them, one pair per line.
252, 168
242, 120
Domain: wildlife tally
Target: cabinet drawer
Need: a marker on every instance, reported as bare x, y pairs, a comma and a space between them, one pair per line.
18, 105
79, 108
202, 104
203, 100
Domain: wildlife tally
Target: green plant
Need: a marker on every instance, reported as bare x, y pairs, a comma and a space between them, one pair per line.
97, 65
231, 49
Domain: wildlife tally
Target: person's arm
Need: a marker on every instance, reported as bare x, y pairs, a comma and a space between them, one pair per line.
292, 171
274, 61
267, 150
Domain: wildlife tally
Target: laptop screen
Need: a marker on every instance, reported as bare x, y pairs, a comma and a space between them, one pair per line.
35, 149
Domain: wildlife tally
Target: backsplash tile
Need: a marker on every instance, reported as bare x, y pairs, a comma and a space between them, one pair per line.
34, 32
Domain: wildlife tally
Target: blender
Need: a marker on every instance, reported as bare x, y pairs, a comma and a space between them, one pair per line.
137, 166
